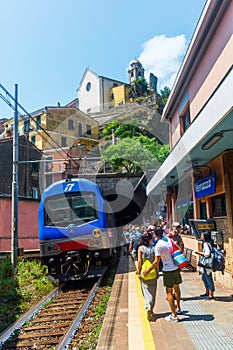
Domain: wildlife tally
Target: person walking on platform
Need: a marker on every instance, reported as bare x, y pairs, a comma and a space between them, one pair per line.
171, 273
175, 235
207, 277
126, 235
149, 283
134, 244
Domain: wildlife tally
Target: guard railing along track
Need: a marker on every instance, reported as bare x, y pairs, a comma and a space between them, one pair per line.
54, 324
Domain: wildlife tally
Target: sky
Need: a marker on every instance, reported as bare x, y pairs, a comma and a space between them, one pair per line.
46, 45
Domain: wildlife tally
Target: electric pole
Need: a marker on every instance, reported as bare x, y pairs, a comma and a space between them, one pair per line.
14, 224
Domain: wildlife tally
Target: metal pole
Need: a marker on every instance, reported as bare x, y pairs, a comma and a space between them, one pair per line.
14, 225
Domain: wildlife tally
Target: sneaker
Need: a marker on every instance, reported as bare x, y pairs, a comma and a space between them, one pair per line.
171, 318
204, 295
178, 311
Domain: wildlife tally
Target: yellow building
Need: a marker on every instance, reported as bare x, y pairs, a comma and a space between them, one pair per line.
120, 95
57, 131
55, 127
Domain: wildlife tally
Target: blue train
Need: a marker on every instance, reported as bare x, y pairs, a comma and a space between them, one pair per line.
77, 232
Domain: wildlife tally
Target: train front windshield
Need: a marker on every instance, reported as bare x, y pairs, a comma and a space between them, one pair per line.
77, 208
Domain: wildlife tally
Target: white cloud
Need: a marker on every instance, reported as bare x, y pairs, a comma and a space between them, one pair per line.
162, 56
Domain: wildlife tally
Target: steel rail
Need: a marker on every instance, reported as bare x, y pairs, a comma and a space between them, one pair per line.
68, 336
5, 335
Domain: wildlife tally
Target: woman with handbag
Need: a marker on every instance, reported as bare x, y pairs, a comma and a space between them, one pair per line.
146, 257
206, 272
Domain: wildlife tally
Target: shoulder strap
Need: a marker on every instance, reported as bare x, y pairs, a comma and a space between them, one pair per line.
174, 244
172, 237
210, 246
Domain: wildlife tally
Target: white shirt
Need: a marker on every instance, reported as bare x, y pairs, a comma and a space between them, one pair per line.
206, 250
162, 249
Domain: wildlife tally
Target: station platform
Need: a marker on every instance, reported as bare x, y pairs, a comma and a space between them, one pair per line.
204, 324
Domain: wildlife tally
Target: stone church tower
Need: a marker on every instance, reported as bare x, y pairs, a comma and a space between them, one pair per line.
135, 71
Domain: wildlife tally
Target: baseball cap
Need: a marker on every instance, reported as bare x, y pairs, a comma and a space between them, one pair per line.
176, 224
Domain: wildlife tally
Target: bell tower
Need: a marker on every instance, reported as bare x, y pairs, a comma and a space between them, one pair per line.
135, 71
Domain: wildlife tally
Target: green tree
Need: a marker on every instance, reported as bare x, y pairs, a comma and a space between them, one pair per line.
130, 155
124, 130
160, 152
107, 130
127, 130
164, 94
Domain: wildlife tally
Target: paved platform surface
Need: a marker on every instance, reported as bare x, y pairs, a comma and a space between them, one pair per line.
204, 324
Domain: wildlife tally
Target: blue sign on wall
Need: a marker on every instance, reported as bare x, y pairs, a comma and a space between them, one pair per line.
205, 187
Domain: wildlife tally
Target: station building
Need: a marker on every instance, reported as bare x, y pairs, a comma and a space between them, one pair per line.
196, 179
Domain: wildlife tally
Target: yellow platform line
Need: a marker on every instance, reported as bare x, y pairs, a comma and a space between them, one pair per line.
135, 336
146, 328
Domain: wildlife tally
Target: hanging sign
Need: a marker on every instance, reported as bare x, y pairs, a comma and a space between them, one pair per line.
205, 187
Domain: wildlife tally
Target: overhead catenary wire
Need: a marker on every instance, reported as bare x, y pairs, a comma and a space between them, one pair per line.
10, 97
59, 160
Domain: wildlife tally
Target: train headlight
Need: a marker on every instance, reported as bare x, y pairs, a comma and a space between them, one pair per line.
96, 232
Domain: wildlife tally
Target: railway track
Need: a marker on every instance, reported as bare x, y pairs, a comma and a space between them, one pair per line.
52, 323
